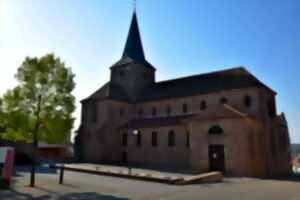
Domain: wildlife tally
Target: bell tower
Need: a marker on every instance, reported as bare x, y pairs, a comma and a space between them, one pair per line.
133, 72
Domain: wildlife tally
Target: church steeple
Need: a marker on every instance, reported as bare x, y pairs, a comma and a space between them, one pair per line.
133, 47
133, 73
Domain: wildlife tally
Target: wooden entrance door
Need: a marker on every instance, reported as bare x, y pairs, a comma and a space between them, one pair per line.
216, 158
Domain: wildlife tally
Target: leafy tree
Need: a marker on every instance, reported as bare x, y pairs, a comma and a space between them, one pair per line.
40, 108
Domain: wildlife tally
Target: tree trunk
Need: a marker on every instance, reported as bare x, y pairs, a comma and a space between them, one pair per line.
35, 143
34, 161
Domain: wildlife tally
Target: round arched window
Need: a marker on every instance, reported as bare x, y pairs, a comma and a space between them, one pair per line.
202, 105
215, 130
247, 101
184, 108
122, 73
171, 138
154, 111
223, 100
154, 138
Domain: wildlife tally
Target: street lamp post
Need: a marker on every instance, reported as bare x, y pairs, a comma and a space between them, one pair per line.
135, 132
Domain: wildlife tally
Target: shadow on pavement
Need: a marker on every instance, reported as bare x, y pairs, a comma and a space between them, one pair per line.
40, 169
292, 178
90, 196
13, 195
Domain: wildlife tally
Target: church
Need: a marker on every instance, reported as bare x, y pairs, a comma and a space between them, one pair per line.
219, 121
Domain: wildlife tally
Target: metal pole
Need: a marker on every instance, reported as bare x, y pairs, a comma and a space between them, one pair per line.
129, 169
61, 175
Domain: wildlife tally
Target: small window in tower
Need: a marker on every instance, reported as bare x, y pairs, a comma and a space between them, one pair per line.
223, 100
184, 108
124, 139
122, 73
154, 138
188, 139
247, 101
154, 111
169, 110
171, 138
203, 105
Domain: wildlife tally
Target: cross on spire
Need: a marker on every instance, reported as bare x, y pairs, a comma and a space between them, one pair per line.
134, 5
133, 46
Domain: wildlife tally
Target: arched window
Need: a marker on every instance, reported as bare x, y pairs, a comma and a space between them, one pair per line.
215, 130
141, 113
247, 101
154, 111
184, 108
171, 139
154, 139
124, 139
203, 105
271, 108
223, 100
188, 139
139, 139
122, 111
169, 110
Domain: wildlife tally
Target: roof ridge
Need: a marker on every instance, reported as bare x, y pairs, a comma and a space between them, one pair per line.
205, 74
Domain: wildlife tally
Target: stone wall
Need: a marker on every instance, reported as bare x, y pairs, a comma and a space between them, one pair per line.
247, 139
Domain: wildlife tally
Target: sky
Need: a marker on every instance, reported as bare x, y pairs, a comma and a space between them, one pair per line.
180, 38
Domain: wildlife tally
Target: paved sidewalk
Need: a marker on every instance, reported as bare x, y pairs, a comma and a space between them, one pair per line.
134, 170
81, 186
143, 174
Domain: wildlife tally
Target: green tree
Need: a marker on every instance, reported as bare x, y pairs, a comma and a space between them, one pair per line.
40, 107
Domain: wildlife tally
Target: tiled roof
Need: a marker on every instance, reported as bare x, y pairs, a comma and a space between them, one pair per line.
235, 78
156, 122
109, 91
167, 121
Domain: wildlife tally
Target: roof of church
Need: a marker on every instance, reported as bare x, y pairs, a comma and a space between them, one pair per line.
133, 51
235, 78
224, 113
156, 122
109, 91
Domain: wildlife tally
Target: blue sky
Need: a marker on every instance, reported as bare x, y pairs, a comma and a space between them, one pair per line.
180, 38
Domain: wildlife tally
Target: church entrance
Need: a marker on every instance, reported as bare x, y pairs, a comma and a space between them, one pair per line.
124, 158
216, 158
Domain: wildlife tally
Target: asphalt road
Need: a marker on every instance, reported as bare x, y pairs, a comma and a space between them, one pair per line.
79, 186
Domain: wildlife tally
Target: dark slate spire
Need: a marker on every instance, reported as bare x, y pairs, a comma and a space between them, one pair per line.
133, 48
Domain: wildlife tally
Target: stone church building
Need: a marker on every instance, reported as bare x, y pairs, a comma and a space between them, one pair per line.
224, 120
